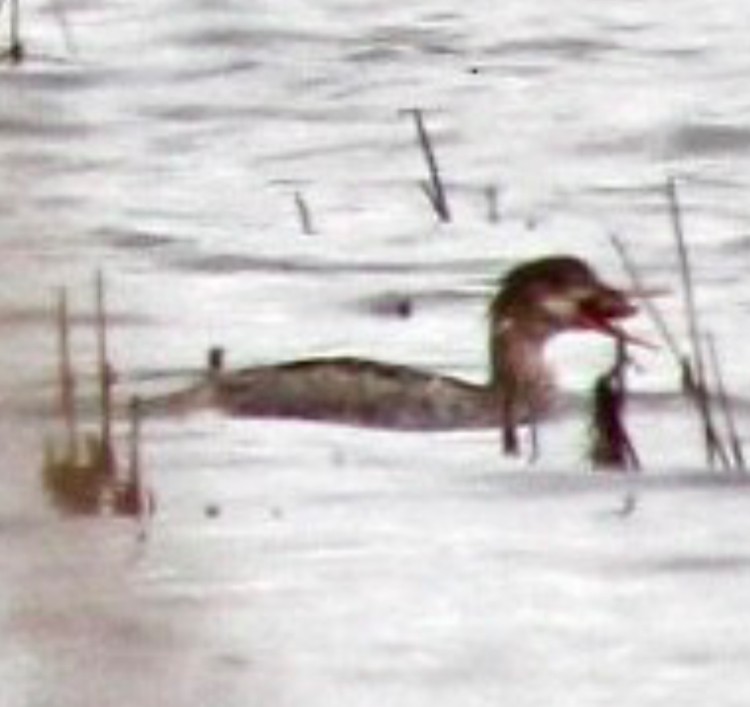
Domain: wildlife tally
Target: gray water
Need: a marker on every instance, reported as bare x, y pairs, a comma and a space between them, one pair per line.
291, 563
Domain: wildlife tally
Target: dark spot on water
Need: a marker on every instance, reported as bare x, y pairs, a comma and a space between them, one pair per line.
233, 661
212, 510
277, 513
392, 306
709, 139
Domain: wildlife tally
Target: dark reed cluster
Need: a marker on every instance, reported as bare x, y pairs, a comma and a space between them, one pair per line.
700, 372
83, 474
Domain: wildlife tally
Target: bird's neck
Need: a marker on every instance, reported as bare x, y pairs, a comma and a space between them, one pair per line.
520, 376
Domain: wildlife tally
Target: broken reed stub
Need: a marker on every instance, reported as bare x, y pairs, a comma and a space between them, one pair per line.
434, 188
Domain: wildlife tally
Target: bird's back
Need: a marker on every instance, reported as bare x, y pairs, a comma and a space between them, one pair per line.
355, 391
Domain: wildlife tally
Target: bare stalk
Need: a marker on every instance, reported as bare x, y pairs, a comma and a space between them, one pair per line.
135, 445
304, 214
106, 379
725, 405
435, 188
649, 305
714, 447
686, 273
492, 195
16, 50
67, 380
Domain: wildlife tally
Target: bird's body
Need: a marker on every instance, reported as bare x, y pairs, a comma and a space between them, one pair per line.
535, 301
358, 392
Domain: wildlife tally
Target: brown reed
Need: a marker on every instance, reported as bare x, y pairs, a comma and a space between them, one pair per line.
132, 498
105, 376
67, 379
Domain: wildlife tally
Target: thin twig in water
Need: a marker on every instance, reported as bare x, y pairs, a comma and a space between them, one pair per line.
67, 379
492, 195
640, 289
725, 405
435, 188
142, 501
135, 442
106, 378
304, 215
16, 49
686, 273
694, 369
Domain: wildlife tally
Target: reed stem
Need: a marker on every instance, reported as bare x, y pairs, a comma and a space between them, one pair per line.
492, 195
67, 381
106, 379
304, 215
16, 50
135, 444
686, 273
725, 405
649, 305
435, 188
714, 447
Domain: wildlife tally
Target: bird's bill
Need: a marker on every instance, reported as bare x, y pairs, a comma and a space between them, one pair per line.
603, 309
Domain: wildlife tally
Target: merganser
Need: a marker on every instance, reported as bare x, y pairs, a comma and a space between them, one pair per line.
535, 301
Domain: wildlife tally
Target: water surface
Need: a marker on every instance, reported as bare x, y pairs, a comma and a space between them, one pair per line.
294, 563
